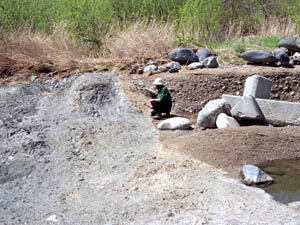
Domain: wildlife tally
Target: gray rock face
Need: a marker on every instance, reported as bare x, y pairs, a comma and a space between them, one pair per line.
176, 123
152, 62
208, 115
258, 87
258, 56
203, 53
183, 55
289, 44
247, 108
224, 121
211, 62
282, 57
254, 175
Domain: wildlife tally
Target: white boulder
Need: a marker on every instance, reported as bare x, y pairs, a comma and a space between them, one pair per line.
173, 65
224, 121
150, 68
176, 123
208, 115
254, 175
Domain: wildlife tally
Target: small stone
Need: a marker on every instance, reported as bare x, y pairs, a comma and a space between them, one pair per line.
162, 69
211, 62
33, 78
196, 65
175, 123
152, 62
203, 53
224, 121
52, 218
173, 70
172, 65
1, 123
150, 68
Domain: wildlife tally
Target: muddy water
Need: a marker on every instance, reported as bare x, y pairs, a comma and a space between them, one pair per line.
286, 174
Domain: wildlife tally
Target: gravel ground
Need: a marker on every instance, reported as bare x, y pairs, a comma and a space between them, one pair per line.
77, 152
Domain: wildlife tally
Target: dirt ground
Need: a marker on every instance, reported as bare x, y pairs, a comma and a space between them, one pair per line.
228, 149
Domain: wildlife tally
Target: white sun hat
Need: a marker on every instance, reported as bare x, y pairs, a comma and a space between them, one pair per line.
158, 81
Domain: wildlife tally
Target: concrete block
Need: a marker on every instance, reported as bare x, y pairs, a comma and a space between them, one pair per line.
278, 113
247, 108
258, 87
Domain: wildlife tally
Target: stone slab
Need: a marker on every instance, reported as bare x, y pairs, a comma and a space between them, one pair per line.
247, 108
258, 87
278, 113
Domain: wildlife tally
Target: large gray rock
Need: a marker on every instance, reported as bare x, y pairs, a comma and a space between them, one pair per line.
258, 56
176, 123
258, 87
247, 108
282, 57
183, 55
289, 44
203, 53
278, 113
254, 175
210, 62
224, 121
208, 115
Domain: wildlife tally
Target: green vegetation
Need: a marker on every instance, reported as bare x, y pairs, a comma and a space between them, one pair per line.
195, 21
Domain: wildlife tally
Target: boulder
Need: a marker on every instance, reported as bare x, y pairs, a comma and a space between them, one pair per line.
162, 69
282, 57
258, 56
247, 108
173, 70
208, 115
224, 121
258, 87
210, 62
150, 68
254, 175
196, 65
176, 123
289, 44
183, 55
203, 53
296, 57
172, 65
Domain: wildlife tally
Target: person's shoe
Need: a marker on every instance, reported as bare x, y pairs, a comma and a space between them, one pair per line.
153, 113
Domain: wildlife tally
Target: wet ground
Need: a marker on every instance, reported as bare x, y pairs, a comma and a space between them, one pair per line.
286, 174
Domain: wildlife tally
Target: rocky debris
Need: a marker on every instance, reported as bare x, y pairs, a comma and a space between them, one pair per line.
258, 56
196, 65
208, 115
210, 62
183, 55
162, 69
173, 70
290, 45
224, 121
176, 123
254, 175
150, 68
258, 87
203, 53
282, 57
248, 109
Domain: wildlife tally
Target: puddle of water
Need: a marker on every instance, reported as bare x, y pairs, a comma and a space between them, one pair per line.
286, 174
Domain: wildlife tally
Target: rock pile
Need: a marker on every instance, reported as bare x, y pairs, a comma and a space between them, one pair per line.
253, 108
184, 56
287, 54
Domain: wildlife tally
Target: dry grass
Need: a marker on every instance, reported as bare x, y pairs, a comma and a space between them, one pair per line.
23, 54
276, 26
139, 43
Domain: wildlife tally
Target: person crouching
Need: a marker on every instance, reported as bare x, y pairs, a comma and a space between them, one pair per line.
163, 101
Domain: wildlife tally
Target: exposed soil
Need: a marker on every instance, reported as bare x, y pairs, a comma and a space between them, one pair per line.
227, 148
